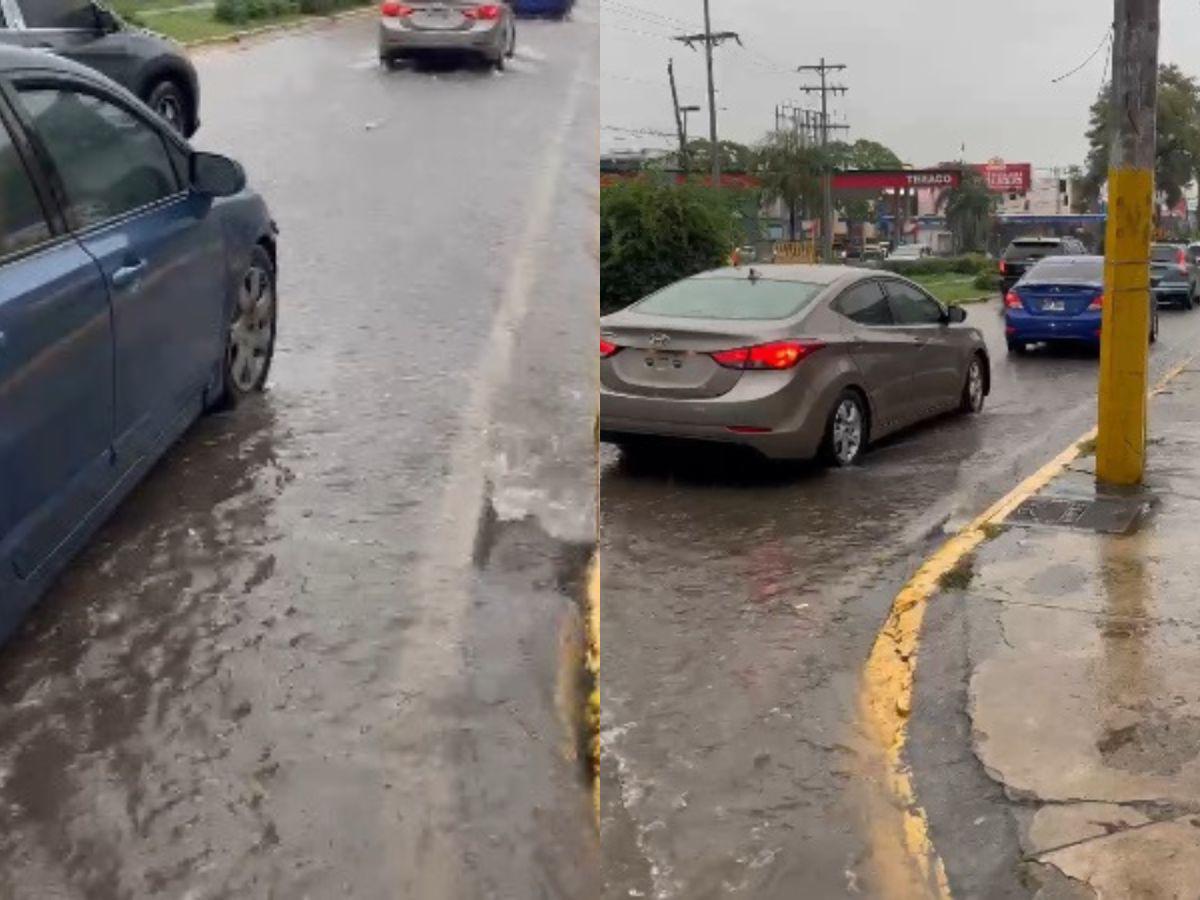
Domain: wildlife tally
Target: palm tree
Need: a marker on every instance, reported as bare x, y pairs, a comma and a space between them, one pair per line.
790, 172
968, 209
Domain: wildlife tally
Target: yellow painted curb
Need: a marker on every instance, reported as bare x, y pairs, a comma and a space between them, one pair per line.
904, 848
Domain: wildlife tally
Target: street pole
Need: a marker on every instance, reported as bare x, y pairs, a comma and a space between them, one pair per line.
712, 99
680, 128
710, 40
1124, 350
825, 90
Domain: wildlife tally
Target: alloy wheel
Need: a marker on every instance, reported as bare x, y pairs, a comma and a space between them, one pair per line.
975, 385
252, 330
847, 431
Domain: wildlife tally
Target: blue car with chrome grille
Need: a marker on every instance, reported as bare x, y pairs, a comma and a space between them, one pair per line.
1060, 300
137, 289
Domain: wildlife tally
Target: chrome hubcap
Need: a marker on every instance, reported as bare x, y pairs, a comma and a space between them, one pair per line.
847, 431
975, 385
251, 331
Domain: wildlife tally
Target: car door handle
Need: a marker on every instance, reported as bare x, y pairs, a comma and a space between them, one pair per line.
128, 274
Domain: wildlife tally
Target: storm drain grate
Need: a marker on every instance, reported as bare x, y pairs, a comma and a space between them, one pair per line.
1107, 515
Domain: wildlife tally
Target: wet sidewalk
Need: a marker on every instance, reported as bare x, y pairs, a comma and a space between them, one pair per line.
1081, 618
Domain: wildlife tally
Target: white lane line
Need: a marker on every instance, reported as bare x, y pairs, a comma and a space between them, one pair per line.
422, 815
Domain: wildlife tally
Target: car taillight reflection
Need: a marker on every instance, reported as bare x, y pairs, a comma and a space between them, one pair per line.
1098, 303
1012, 301
776, 355
488, 13
607, 349
392, 10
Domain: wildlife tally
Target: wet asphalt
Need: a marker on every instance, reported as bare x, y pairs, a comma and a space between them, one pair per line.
740, 602
326, 648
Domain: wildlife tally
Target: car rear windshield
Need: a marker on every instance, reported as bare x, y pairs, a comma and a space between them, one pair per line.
730, 298
1026, 249
1068, 269
1164, 252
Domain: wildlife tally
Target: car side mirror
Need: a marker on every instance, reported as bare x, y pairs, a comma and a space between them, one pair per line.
216, 176
956, 315
106, 20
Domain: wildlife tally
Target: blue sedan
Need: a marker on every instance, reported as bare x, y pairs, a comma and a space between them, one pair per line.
137, 289
1060, 300
542, 7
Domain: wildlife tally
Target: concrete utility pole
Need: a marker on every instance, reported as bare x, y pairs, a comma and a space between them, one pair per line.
1124, 350
710, 40
825, 90
679, 126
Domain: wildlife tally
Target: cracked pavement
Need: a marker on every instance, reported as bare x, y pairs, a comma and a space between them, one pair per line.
1055, 737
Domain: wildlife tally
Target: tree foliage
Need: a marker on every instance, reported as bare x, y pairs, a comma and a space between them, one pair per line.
1177, 160
654, 232
968, 209
735, 157
790, 172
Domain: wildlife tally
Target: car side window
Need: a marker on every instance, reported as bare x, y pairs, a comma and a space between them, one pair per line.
22, 219
59, 14
911, 307
865, 304
110, 161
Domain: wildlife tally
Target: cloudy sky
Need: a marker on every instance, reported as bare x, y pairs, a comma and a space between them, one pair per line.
925, 76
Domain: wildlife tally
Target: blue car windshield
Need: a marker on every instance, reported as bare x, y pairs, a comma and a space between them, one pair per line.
730, 298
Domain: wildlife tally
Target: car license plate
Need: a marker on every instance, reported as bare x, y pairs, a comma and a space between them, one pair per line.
1054, 306
663, 361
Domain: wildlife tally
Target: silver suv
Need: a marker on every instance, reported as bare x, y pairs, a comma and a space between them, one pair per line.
152, 67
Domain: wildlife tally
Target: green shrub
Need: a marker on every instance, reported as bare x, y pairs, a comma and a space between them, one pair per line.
654, 232
238, 12
968, 264
988, 281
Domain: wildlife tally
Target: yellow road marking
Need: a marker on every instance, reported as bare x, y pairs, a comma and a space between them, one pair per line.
903, 848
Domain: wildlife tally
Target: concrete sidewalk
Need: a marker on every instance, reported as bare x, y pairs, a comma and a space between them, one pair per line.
1082, 618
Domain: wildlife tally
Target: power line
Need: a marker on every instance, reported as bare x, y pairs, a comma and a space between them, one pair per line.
711, 40
823, 69
1105, 40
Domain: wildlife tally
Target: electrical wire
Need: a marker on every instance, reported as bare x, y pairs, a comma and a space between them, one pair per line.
1105, 40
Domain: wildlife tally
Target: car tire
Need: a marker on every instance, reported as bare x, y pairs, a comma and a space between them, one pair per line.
975, 388
846, 430
512, 42
250, 333
171, 103
1154, 327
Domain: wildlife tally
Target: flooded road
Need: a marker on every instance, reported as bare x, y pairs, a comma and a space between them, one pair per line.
740, 603
318, 653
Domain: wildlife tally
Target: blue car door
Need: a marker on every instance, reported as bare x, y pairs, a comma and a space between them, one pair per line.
161, 253
56, 376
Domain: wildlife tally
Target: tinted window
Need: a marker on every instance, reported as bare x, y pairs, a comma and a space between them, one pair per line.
1164, 253
730, 298
911, 307
1085, 269
110, 161
22, 221
1028, 248
865, 304
58, 13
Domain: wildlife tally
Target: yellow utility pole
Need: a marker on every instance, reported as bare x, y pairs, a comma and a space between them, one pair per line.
1125, 332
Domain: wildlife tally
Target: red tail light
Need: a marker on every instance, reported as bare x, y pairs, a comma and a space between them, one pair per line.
393, 10
777, 355
1012, 301
1181, 261
607, 349
1003, 267
487, 13
1098, 303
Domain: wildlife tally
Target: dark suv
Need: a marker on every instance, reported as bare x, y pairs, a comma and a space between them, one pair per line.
1023, 253
153, 68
